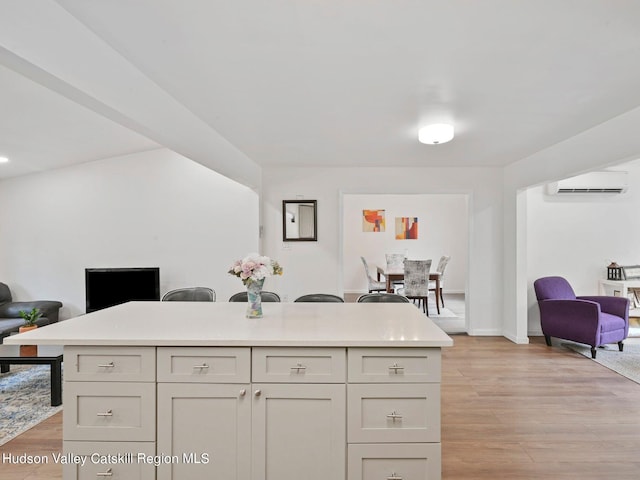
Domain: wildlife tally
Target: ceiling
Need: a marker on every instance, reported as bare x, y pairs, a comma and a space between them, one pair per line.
315, 83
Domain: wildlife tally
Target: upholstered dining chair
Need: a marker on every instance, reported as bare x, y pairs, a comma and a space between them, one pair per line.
190, 294
416, 282
374, 285
382, 298
442, 265
319, 297
266, 297
395, 261
592, 320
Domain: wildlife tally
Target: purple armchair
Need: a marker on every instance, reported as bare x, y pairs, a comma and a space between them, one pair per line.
595, 320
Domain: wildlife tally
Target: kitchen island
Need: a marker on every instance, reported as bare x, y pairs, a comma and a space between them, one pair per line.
174, 390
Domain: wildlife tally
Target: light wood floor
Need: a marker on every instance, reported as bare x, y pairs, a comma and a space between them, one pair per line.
519, 412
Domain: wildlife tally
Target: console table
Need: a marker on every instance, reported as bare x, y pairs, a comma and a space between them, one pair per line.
173, 390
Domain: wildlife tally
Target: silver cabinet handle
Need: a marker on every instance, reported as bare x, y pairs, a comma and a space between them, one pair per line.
108, 413
393, 476
108, 473
298, 367
394, 416
257, 393
395, 367
204, 365
242, 392
106, 365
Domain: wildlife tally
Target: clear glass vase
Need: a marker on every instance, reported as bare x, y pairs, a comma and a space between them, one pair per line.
254, 299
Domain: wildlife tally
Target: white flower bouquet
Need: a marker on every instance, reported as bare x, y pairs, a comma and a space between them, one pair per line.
255, 267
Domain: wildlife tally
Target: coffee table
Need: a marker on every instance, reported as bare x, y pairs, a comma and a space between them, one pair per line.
47, 355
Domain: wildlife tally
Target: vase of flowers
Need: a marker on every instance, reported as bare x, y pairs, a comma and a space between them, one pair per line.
252, 270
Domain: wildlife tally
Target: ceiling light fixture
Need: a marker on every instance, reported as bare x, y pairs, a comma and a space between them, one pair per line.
4, 159
436, 133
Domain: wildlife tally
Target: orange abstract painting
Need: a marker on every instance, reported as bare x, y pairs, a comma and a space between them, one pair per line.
406, 228
373, 221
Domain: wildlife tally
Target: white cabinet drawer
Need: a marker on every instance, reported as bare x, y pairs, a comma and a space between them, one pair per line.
410, 461
110, 364
115, 460
299, 365
393, 413
204, 364
109, 411
390, 365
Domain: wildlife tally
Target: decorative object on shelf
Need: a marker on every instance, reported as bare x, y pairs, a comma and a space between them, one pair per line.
614, 271
631, 272
252, 270
30, 319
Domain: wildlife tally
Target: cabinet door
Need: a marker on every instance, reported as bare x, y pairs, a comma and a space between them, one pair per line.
298, 432
205, 429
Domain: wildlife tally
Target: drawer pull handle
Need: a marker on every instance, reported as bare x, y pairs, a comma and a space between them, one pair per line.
201, 367
299, 367
243, 392
394, 416
393, 476
108, 473
395, 367
257, 393
108, 413
106, 365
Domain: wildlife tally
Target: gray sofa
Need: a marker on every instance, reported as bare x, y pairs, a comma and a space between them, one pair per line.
10, 319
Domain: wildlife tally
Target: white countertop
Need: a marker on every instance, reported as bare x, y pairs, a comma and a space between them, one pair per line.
224, 324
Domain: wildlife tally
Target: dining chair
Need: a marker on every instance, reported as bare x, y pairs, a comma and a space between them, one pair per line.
442, 265
382, 298
395, 262
190, 294
266, 297
319, 297
416, 282
374, 285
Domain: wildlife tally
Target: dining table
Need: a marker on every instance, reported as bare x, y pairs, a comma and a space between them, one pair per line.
394, 274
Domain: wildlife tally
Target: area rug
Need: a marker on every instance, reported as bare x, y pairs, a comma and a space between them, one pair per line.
25, 399
626, 363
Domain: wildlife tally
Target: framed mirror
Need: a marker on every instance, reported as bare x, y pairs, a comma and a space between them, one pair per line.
299, 221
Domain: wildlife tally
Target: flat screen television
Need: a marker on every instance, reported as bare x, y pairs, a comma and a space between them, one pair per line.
106, 287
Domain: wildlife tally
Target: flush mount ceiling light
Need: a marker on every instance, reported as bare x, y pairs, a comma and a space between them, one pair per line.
4, 159
436, 133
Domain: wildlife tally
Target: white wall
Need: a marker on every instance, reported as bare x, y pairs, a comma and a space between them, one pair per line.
149, 209
317, 266
610, 143
577, 236
442, 230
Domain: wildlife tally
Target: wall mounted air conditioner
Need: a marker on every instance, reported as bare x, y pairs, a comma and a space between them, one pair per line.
590, 183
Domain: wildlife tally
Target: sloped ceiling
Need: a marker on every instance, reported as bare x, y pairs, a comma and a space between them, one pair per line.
243, 84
